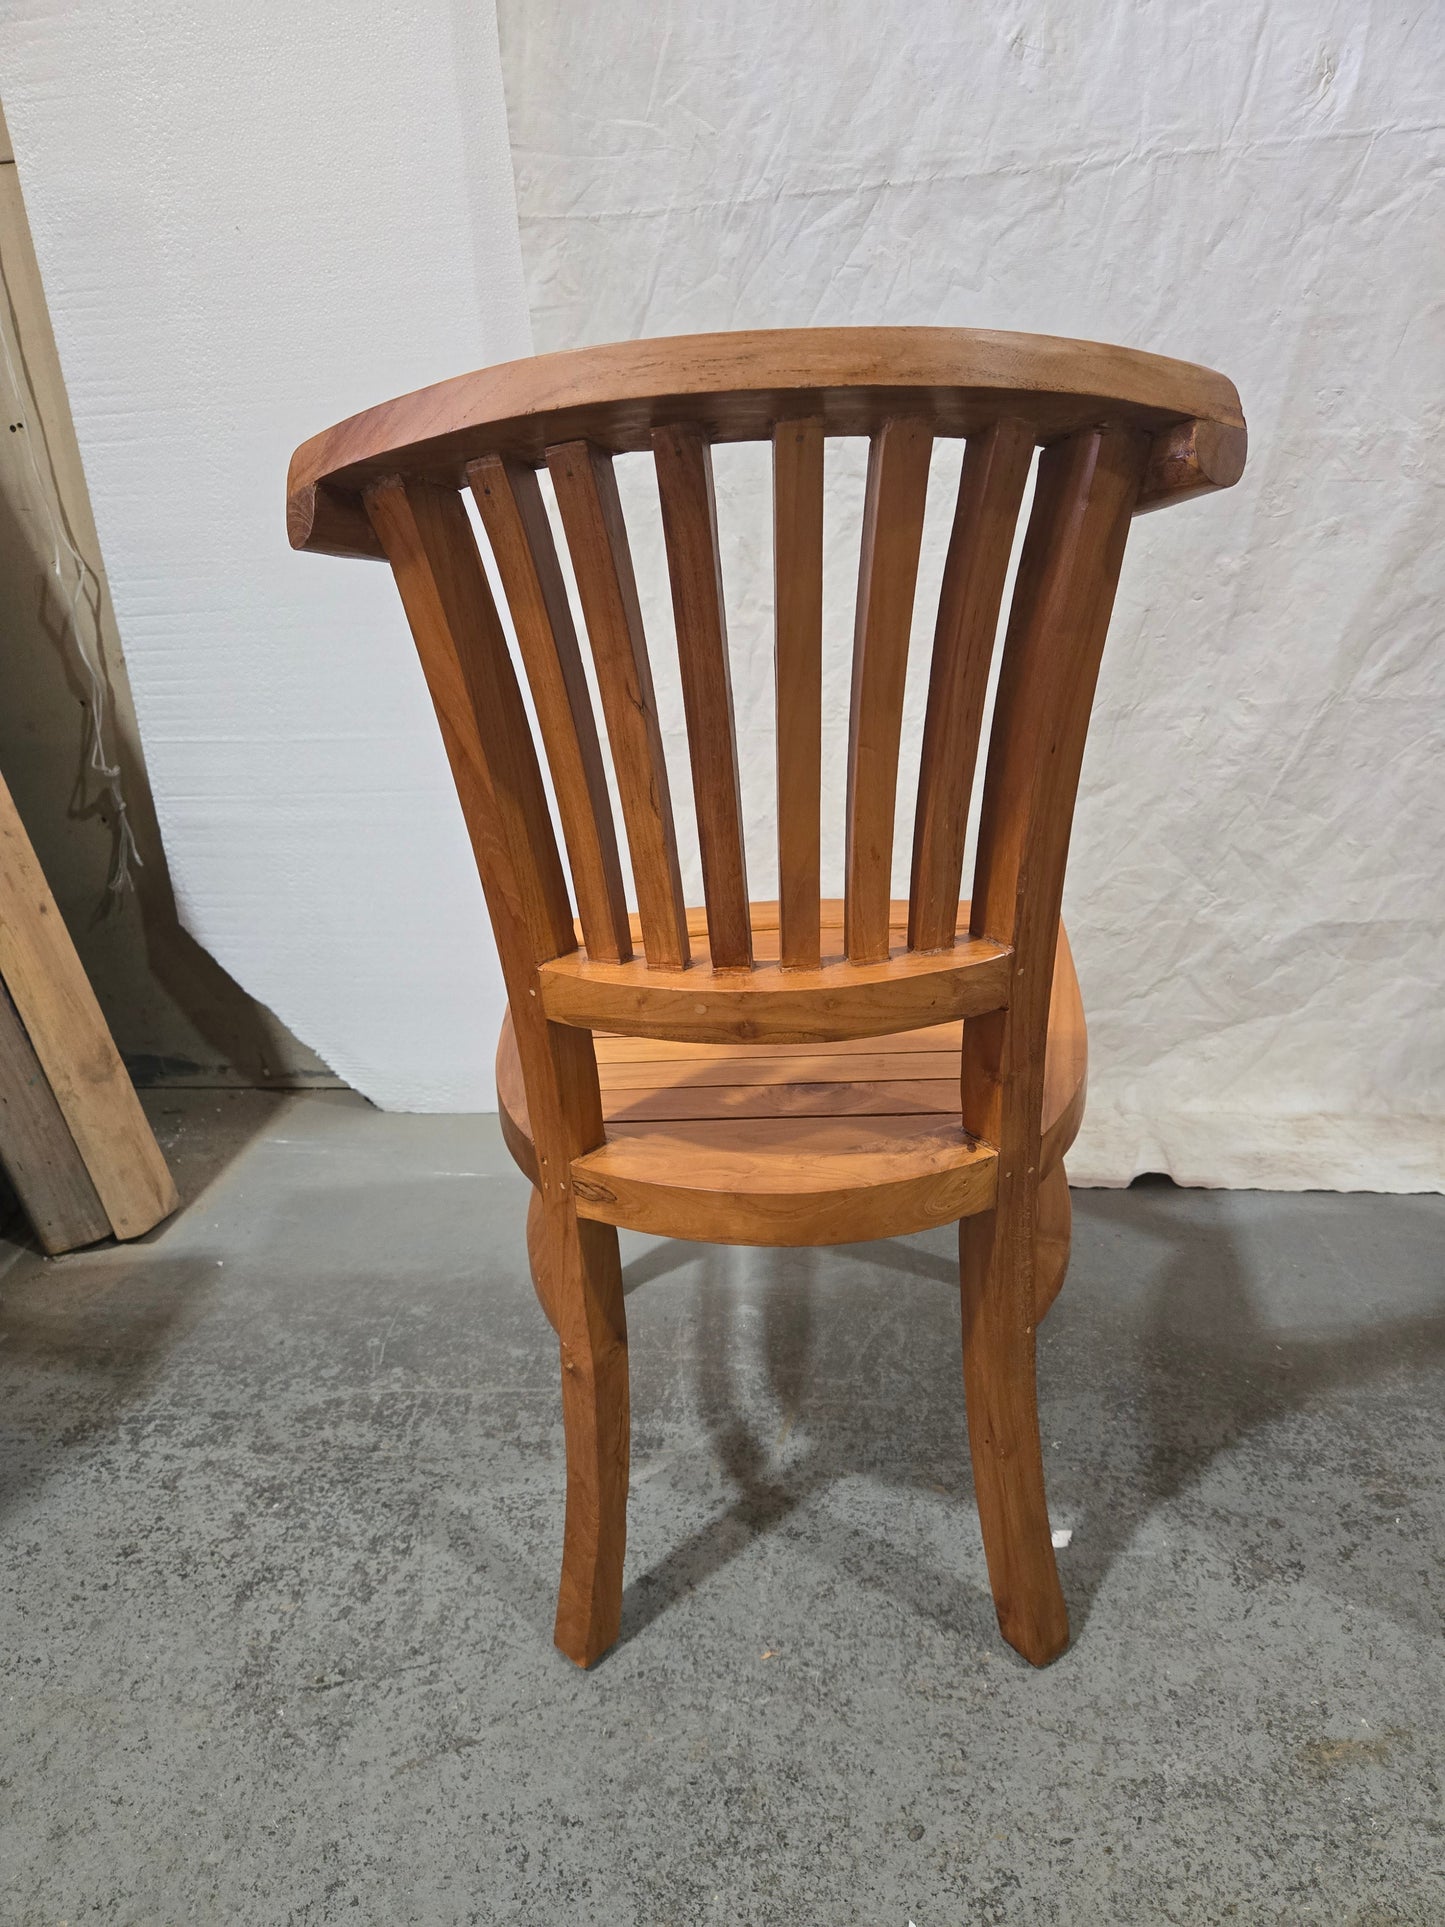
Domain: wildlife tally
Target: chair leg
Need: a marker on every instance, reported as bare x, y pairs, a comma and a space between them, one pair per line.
584, 1272
1003, 1435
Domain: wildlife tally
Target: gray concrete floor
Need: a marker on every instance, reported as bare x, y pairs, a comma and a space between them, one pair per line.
280, 1522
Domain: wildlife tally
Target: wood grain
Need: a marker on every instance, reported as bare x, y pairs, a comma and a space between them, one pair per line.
68, 1035
689, 525
1192, 458
991, 486
591, 510
893, 507
785, 1181
37, 1150
798, 681
737, 386
838, 999
768, 1064
509, 501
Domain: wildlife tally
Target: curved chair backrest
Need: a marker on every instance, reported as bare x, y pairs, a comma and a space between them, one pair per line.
1120, 432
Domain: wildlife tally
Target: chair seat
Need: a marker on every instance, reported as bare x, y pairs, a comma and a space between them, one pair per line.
796, 1144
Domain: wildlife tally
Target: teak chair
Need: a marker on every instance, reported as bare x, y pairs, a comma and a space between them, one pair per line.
806, 1071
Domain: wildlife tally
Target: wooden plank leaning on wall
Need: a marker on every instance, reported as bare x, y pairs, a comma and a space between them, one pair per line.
103, 1171
73, 1138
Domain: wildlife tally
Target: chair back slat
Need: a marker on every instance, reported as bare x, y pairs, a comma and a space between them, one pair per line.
893, 509
798, 681
425, 534
509, 500
683, 460
586, 489
995, 471
1063, 596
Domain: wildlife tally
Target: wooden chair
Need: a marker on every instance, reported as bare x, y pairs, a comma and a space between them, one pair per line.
807, 1071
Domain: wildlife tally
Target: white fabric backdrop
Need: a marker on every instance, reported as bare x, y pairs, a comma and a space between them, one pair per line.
251, 221
1255, 897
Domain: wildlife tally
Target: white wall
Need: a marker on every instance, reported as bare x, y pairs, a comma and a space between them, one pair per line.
1257, 891
254, 220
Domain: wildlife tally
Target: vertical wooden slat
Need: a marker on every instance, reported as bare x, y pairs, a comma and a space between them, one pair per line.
689, 524
893, 510
586, 488
1068, 573
990, 489
509, 500
428, 540
433, 554
798, 674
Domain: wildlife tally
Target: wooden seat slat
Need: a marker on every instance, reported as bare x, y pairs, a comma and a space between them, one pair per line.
786, 1065
723, 1097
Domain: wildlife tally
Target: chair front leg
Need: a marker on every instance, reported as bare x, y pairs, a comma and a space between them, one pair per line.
583, 1269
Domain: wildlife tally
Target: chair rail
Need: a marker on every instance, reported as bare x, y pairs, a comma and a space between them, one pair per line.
769, 1004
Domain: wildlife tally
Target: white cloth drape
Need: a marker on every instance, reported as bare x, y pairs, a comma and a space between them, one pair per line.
1257, 886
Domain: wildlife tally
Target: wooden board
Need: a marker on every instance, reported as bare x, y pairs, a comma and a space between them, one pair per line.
786, 1180
63, 1023
772, 1004
37, 1150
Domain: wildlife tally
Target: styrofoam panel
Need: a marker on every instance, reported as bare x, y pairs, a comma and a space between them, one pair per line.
252, 221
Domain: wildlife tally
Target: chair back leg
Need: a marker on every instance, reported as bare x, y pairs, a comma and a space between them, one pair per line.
582, 1265
996, 1266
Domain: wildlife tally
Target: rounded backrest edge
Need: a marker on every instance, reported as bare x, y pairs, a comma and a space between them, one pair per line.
736, 386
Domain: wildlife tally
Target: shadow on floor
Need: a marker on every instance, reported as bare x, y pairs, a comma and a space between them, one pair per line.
1201, 1365
920, 1444
88, 1334
84, 1349
1206, 1363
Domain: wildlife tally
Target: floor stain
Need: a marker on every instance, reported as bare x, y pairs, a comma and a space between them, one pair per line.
1324, 1756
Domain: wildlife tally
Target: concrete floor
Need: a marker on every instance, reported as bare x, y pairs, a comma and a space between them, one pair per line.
281, 1514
